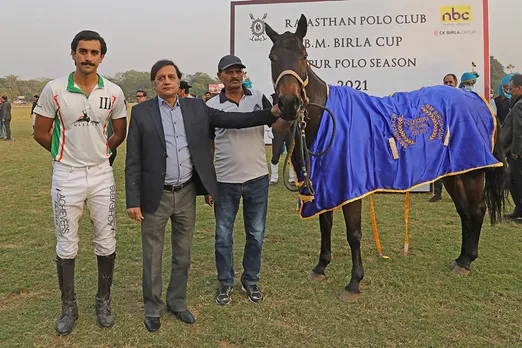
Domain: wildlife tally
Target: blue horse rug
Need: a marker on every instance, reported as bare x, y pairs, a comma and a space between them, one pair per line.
396, 143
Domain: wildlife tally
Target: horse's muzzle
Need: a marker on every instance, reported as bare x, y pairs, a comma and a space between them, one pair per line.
289, 105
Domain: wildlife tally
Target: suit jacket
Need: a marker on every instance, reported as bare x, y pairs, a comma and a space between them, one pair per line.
502, 104
6, 111
511, 135
145, 164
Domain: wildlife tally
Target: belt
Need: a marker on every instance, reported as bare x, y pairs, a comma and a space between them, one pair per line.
176, 188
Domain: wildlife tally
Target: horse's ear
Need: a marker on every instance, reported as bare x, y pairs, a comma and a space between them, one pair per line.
302, 27
271, 32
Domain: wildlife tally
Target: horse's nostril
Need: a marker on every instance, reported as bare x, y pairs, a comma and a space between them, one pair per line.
281, 105
288, 102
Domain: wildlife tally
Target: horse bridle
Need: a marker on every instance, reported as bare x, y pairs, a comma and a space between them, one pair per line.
303, 83
299, 128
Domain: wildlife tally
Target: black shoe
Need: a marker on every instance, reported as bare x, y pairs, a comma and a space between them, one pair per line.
513, 216
184, 316
223, 295
104, 316
254, 293
69, 315
152, 323
67, 318
435, 198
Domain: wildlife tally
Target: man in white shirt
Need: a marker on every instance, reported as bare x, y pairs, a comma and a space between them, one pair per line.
82, 107
184, 89
242, 172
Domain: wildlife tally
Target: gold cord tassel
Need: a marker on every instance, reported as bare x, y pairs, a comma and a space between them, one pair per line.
374, 227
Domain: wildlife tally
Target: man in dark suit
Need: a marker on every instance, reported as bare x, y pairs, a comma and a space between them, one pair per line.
6, 117
512, 142
168, 164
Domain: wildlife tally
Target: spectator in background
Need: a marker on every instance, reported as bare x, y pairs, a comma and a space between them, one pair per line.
492, 102
503, 100
207, 96
184, 89
141, 96
451, 81
468, 81
2, 130
511, 138
35, 102
6, 117
278, 142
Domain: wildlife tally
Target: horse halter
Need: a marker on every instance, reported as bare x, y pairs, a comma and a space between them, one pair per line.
304, 97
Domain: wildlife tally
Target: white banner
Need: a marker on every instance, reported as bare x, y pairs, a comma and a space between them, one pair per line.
377, 46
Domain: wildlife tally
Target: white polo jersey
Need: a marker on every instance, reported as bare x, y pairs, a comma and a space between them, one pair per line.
81, 122
240, 153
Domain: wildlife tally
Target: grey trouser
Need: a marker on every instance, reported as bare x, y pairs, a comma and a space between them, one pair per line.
180, 208
7, 125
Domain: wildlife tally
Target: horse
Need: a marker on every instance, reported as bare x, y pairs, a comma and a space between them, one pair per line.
301, 90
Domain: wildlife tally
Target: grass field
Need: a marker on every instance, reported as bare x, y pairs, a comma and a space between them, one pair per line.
412, 301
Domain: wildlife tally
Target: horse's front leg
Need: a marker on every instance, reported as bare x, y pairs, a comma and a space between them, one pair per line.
325, 222
352, 217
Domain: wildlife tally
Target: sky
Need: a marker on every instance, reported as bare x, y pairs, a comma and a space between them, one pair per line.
36, 34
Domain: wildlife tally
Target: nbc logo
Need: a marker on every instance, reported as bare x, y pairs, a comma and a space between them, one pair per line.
456, 14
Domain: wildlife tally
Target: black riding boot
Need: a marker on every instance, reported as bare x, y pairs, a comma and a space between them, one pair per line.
65, 269
103, 298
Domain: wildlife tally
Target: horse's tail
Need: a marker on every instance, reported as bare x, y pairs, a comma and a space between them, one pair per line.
495, 189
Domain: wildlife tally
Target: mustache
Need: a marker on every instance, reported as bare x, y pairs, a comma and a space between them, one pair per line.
234, 79
88, 63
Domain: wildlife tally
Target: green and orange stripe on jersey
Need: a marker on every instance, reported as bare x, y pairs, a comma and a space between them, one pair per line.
106, 126
58, 138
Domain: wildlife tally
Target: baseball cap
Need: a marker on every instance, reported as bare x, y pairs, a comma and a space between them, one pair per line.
184, 84
228, 61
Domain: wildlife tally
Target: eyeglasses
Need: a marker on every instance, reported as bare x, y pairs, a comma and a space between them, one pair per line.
140, 96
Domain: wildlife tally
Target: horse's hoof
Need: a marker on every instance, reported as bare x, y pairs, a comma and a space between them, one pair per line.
349, 297
316, 277
460, 270
452, 265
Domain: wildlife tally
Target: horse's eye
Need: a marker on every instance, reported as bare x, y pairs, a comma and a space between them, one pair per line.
272, 58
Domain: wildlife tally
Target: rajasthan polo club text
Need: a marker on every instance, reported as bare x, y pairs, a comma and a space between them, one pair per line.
400, 19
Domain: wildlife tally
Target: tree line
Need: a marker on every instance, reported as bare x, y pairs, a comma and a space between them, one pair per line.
129, 81
132, 80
